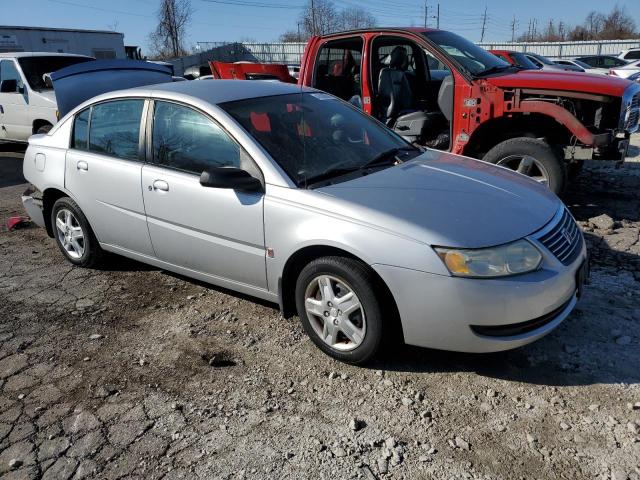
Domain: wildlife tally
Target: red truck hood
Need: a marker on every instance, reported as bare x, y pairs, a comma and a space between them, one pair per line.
576, 82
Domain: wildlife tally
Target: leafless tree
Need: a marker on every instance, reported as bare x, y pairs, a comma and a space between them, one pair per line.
356, 17
319, 17
173, 18
618, 25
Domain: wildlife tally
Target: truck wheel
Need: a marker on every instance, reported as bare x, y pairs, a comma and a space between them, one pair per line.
532, 157
339, 309
45, 128
73, 234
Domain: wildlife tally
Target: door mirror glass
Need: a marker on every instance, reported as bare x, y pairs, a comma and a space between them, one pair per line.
229, 177
9, 86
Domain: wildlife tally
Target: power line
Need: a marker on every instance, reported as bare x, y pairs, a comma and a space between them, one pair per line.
484, 22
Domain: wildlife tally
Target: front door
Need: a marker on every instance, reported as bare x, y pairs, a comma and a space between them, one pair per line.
14, 103
216, 231
103, 173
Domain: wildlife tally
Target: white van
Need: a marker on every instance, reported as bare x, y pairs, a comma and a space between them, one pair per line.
27, 103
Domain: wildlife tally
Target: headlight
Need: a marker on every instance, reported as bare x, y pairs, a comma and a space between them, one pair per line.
510, 259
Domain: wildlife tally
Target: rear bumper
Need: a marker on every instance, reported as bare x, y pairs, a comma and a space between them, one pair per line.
32, 202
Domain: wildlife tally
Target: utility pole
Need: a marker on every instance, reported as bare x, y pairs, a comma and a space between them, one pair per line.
425, 13
313, 17
438, 18
513, 29
484, 23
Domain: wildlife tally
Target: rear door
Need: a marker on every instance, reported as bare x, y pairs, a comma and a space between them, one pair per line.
103, 172
217, 231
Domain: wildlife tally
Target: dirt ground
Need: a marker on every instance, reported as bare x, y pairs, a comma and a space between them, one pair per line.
132, 372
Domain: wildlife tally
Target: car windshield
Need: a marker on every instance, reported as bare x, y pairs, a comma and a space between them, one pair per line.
35, 67
523, 61
317, 137
542, 59
581, 64
471, 57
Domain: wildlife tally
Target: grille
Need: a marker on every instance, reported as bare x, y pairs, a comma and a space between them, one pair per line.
633, 121
563, 239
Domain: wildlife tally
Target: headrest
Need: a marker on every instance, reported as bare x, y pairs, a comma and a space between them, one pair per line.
398, 58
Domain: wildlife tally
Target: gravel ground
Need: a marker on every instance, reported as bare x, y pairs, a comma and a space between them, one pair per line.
133, 372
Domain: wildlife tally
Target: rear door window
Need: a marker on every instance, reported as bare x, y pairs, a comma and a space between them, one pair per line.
80, 139
115, 128
337, 69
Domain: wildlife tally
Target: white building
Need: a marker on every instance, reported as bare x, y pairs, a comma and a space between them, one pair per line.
100, 44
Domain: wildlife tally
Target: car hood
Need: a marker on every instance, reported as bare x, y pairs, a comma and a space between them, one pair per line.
446, 200
82, 81
570, 81
48, 96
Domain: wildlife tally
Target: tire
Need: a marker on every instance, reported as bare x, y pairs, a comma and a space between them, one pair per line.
547, 160
367, 319
82, 251
45, 128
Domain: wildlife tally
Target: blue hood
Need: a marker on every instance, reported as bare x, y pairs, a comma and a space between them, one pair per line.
77, 83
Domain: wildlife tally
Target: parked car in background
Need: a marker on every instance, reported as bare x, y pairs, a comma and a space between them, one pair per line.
27, 102
635, 77
439, 90
294, 71
518, 59
602, 61
626, 70
586, 68
630, 54
543, 63
296, 197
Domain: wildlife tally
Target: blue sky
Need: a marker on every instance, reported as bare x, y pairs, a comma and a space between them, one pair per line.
219, 21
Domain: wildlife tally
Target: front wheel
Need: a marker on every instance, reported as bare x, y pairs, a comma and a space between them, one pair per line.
339, 309
532, 157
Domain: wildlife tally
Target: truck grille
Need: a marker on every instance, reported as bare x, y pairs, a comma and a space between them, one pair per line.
630, 115
563, 239
634, 114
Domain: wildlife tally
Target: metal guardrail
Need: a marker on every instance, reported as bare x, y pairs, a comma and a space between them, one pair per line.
566, 49
291, 53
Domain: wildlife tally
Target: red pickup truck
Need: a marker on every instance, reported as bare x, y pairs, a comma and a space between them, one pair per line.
442, 91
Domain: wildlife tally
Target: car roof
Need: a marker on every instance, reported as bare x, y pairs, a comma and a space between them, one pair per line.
40, 54
220, 91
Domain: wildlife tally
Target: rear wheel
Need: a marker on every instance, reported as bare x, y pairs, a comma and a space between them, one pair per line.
532, 157
339, 309
73, 234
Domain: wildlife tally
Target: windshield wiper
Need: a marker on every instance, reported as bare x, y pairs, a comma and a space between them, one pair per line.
331, 173
388, 157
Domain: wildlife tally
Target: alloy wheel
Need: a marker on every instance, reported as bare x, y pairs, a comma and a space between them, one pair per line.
70, 233
335, 312
526, 165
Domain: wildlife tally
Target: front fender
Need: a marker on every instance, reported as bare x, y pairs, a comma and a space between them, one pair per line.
290, 227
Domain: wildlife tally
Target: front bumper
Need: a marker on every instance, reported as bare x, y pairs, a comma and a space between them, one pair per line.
462, 314
32, 202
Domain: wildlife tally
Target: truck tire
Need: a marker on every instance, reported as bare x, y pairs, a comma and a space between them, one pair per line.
534, 158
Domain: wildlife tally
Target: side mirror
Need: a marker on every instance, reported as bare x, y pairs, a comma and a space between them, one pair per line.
228, 177
9, 86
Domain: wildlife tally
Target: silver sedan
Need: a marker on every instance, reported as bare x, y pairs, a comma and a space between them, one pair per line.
296, 197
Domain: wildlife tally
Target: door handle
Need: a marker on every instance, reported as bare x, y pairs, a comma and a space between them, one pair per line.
82, 165
161, 185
